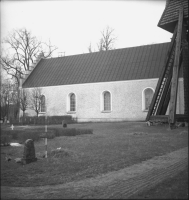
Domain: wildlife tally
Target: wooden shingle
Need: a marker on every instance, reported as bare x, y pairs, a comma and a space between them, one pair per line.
169, 17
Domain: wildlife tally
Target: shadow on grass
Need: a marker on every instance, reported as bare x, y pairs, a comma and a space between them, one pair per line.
173, 188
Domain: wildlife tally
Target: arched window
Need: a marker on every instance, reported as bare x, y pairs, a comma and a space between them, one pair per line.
43, 103
147, 98
72, 102
107, 101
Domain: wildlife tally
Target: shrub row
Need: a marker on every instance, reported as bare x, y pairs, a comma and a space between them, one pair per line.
72, 132
22, 135
5, 140
28, 120
36, 134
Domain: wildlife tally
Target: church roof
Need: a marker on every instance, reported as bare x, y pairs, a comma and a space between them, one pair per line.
141, 62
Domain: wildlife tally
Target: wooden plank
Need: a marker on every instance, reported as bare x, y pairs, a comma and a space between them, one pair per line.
166, 101
165, 91
162, 75
181, 117
174, 85
159, 118
164, 118
185, 70
170, 14
168, 94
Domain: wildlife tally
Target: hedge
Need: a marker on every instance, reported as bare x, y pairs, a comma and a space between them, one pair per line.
5, 140
36, 134
74, 132
29, 120
22, 135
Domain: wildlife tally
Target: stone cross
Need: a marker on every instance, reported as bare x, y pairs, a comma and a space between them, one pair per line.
29, 152
12, 127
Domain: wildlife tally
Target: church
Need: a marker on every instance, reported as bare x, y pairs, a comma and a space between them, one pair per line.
119, 84
105, 86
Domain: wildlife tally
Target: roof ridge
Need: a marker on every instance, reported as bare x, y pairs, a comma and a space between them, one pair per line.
98, 52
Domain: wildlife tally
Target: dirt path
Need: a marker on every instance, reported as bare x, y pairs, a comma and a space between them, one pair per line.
117, 184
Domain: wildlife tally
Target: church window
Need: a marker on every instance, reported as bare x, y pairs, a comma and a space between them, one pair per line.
72, 102
147, 98
107, 101
42, 103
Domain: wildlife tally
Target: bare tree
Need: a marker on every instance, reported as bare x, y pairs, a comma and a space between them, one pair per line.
100, 45
24, 49
35, 100
24, 101
106, 41
5, 101
15, 103
7, 98
90, 48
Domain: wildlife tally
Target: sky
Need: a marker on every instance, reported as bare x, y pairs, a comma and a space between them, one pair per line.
73, 25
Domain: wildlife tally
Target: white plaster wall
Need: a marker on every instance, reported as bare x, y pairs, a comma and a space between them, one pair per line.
180, 97
126, 100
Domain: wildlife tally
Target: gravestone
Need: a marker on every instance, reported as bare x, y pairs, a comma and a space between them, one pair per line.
64, 123
29, 152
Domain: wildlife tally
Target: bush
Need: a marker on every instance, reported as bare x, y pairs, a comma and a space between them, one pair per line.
49, 135
23, 136
74, 132
57, 131
5, 140
15, 121
12, 133
68, 132
59, 153
41, 120
84, 131
35, 134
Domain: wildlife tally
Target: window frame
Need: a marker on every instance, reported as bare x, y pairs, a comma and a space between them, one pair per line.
41, 112
144, 99
69, 103
103, 102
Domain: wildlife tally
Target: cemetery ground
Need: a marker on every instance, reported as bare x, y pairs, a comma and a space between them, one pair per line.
111, 147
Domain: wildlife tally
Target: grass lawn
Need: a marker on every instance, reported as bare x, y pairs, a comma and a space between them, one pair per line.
112, 146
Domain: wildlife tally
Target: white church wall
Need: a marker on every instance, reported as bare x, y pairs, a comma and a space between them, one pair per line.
180, 97
126, 100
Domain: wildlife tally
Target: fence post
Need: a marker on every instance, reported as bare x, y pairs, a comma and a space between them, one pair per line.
46, 136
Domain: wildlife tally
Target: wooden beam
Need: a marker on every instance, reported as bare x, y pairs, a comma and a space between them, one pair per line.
164, 95
174, 85
166, 101
167, 93
162, 75
159, 118
185, 69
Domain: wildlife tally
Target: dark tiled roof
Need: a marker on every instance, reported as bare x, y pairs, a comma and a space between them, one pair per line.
170, 15
140, 62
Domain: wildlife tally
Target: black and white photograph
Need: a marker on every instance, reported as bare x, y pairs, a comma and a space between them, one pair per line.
94, 99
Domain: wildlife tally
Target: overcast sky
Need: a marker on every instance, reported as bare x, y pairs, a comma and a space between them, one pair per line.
73, 25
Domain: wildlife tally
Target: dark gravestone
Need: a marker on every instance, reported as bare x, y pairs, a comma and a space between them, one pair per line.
29, 152
64, 123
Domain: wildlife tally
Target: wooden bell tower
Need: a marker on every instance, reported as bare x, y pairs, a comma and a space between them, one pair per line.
175, 20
